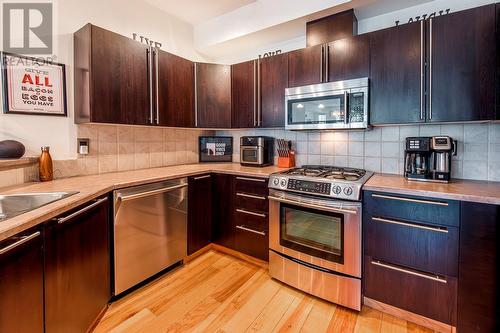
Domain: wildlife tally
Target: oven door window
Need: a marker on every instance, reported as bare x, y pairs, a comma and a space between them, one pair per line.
250, 155
314, 232
317, 110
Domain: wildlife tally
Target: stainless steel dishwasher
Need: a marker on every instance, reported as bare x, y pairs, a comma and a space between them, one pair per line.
150, 230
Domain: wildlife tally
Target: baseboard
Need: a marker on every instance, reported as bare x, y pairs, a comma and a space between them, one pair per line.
409, 316
97, 319
198, 253
239, 255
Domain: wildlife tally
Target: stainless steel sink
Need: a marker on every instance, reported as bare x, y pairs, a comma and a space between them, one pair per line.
15, 204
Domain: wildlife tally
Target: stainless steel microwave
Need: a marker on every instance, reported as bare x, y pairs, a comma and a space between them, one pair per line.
331, 105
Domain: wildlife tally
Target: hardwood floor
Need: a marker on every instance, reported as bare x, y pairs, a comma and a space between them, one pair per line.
220, 293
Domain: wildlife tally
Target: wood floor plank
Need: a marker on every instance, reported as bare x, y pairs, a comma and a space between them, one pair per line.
217, 292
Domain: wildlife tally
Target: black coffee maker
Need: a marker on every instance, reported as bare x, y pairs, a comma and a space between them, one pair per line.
429, 158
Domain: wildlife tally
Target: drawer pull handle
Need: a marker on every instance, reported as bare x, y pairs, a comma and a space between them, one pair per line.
250, 196
252, 179
202, 177
21, 241
429, 202
412, 225
436, 278
61, 220
250, 213
251, 230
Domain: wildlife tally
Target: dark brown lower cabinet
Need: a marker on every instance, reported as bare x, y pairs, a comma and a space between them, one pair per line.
77, 268
199, 213
223, 206
21, 283
478, 279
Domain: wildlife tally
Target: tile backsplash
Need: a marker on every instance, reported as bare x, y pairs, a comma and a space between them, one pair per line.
381, 149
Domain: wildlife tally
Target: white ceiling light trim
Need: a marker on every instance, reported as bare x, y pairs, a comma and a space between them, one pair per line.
256, 16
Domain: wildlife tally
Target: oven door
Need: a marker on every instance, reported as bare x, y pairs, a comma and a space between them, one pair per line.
323, 232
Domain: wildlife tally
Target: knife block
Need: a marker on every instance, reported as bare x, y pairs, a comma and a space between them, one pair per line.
287, 162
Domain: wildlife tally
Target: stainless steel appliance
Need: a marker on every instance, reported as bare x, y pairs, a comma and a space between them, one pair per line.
429, 158
331, 105
256, 151
315, 231
150, 230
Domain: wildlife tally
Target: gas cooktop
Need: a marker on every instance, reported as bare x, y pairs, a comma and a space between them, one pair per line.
325, 181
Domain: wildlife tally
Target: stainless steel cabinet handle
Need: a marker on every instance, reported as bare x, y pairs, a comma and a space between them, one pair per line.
195, 95
150, 72
61, 220
402, 270
156, 55
428, 202
259, 104
252, 179
346, 101
321, 63
422, 70
430, 69
250, 196
21, 241
251, 230
412, 225
313, 206
250, 213
202, 177
148, 193
327, 63
255, 93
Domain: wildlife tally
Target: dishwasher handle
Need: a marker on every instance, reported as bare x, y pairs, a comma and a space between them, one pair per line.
124, 198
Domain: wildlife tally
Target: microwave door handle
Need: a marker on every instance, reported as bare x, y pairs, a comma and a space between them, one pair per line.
346, 107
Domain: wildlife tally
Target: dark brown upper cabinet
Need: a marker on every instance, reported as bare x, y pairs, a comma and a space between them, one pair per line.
213, 95
244, 94
21, 286
348, 58
332, 27
396, 75
111, 78
306, 66
175, 90
462, 58
273, 76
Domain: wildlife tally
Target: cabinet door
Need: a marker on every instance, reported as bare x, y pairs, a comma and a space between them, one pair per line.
244, 90
175, 90
462, 62
119, 75
21, 286
77, 268
199, 212
223, 217
273, 82
349, 58
213, 99
478, 287
305, 66
396, 86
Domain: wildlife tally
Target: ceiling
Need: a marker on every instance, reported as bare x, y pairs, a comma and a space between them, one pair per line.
196, 11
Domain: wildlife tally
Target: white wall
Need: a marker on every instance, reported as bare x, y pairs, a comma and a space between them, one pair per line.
124, 17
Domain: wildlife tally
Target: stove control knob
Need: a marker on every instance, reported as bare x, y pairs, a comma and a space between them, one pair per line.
337, 189
276, 181
348, 190
283, 182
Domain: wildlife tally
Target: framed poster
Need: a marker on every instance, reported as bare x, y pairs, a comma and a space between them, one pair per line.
215, 148
33, 86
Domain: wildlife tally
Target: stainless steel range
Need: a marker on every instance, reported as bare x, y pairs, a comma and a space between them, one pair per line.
315, 231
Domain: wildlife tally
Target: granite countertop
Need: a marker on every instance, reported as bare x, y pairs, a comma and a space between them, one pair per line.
90, 187
462, 190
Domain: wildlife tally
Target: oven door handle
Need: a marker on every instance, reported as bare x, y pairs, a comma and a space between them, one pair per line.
314, 206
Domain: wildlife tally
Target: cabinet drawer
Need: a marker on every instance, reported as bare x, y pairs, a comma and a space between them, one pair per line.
250, 219
415, 291
251, 185
422, 246
252, 243
252, 202
421, 209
